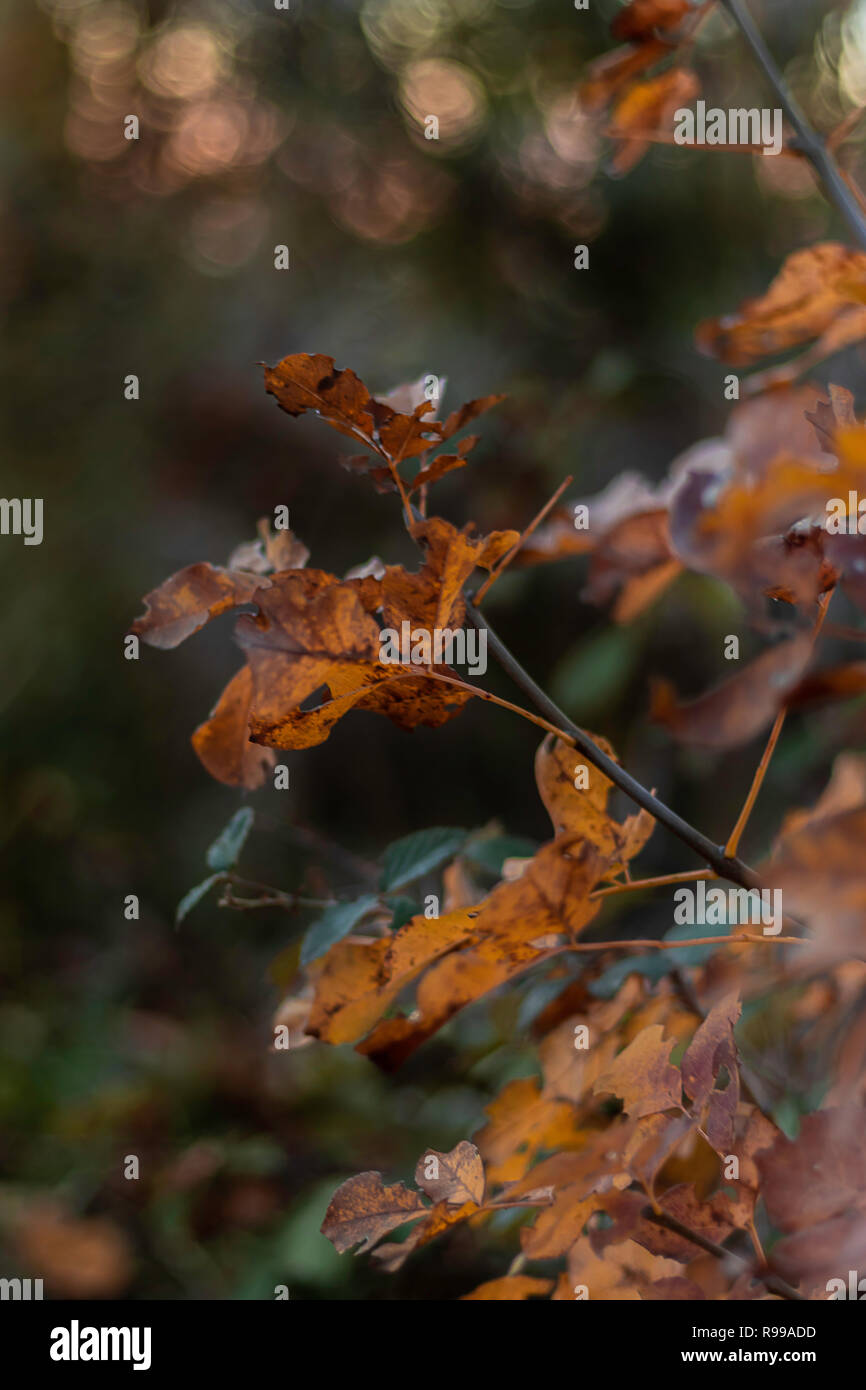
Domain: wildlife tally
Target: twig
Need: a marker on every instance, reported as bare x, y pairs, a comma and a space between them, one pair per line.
714, 855
773, 1282
690, 876
761, 771
506, 559
811, 144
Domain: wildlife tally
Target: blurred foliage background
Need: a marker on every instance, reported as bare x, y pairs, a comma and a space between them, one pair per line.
305, 127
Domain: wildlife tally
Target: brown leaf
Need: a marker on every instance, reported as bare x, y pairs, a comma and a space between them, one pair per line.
470, 411
521, 1123
642, 1075
78, 1257
306, 381
739, 708
510, 1288
812, 289
454, 1177
828, 416
444, 463
647, 108
363, 1210
189, 599
814, 1188
712, 1049
582, 812
223, 741
613, 72
641, 18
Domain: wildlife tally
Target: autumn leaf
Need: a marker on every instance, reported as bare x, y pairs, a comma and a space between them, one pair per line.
454, 1177
511, 1288
223, 742
739, 708
814, 1188
812, 291
189, 599
363, 1210
644, 110
582, 812
711, 1053
642, 1075
642, 18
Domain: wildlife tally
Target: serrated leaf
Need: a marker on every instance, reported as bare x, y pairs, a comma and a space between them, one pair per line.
223, 853
194, 896
418, 854
334, 923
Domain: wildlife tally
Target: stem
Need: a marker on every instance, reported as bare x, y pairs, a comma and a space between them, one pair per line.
536, 521
772, 1281
689, 877
811, 144
651, 944
714, 855
757, 781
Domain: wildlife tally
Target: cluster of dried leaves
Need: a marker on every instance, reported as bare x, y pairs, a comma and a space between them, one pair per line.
643, 1157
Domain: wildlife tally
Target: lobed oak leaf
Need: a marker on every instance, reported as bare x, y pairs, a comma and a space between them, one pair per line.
629, 1220
305, 381
643, 1076
442, 464
455, 1178
468, 412
363, 1210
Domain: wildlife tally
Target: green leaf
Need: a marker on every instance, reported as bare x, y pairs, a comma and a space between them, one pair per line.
404, 910
194, 896
592, 677
334, 923
417, 854
491, 854
223, 853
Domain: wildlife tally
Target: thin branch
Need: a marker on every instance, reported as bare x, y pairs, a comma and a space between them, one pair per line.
714, 855
536, 521
761, 771
691, 876
771, 1281
757, 782
652, 944
811, 144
